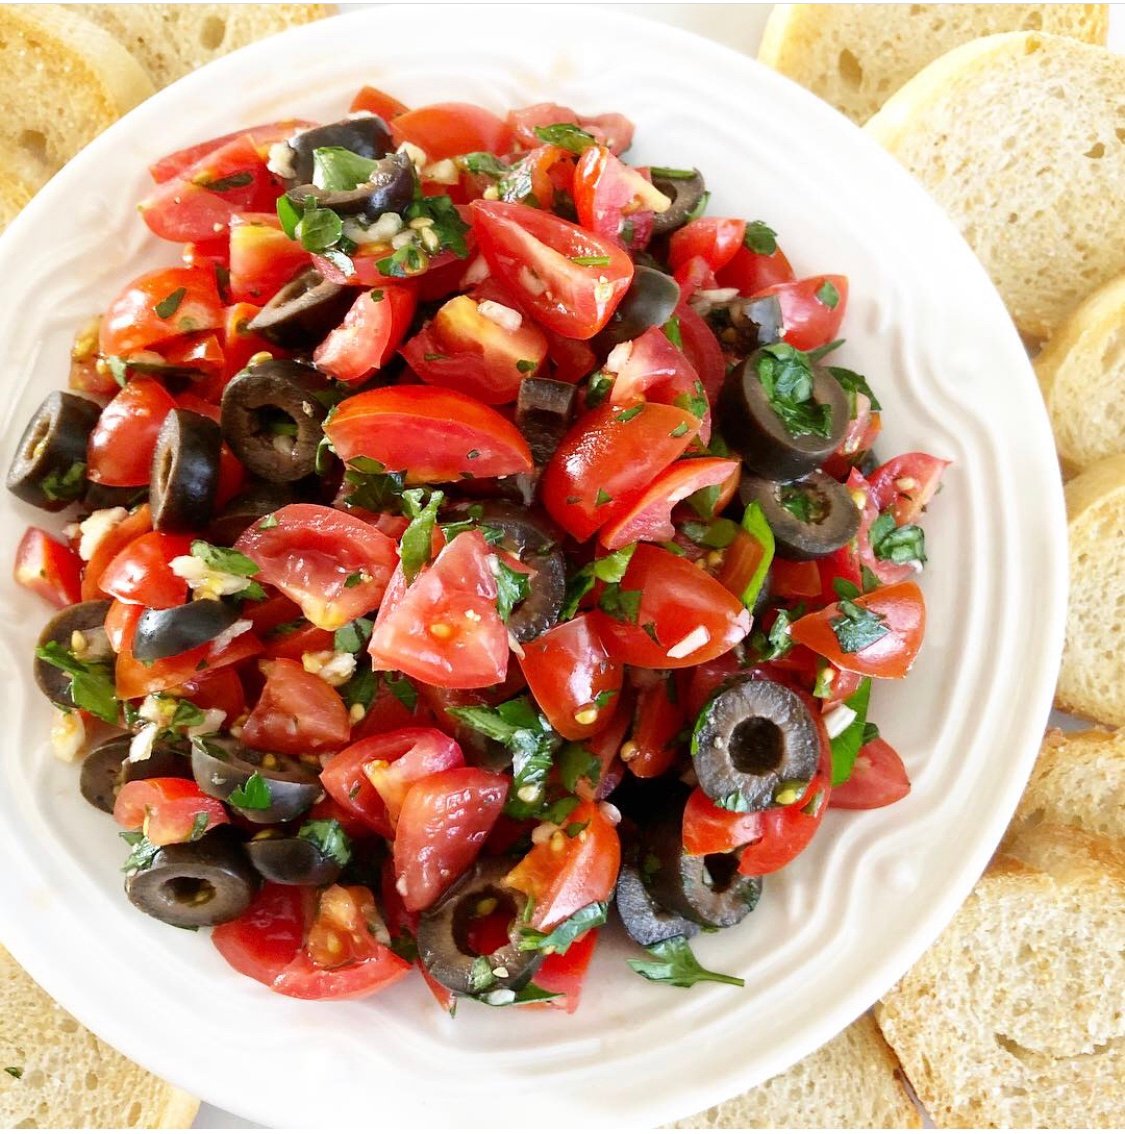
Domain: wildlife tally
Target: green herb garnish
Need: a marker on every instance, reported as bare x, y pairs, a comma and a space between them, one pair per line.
674, 963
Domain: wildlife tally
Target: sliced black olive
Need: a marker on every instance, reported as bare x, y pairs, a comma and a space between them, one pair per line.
256, 501
443, 934
303, 312
49, 468
743, 325
706, 889
544, 408
163, 633
292, 786
753, 429
686, 193
536, 541
98, 496
192, 884
651, 300
272, 419
644, 921
809, 518
365, 135
292, 861
185, 472
107, 767
87, 621
389, 189
755, 745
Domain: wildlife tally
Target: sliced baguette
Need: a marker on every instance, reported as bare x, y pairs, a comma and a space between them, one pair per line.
1079, 781
65, 81
1016, 1016
14, 194
1082, 375
855, 56
171, 40
1091, 680
1021, 138
853, 1082
54, 1073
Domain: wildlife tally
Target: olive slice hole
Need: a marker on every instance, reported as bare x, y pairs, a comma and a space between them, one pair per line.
482, 922
722, 870
756, 746
187, 891
274, 423
36, 439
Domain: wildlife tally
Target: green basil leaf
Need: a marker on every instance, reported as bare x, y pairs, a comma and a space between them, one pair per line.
339, 170
674, 963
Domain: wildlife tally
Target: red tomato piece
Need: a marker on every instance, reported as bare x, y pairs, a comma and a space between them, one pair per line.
878, 778
795, 580
262, 940
741, 560
333, 565
702, 350
448, 129
612, 130
346, 782
122, 443
658, 720
49, 568
377, 102
216, 689
650, 518
906, 484
463, 348
811, 309
365, 270
571, 280
433, 435
898, 610
369, 335
694, 275
574, 681
524, 120
262, 137
603, 465
159, 306
752, 272
134, 524
714, 239
710, 829
298, 712
570, 871
445, 630
239, 343
614, 200
684, 616
262, 257
650, 367
294, 644
199, 201
167, 809
401, 758
702, 683
141, 572
564, 973
443, 824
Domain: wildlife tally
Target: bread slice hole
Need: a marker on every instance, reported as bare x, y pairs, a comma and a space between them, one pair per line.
212, 32
34, 144
850, 70
1097, 150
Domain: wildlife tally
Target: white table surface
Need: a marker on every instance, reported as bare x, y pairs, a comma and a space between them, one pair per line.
738, 26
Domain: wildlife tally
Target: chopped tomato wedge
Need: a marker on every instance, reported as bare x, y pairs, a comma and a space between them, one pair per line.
710, 829
346, 782
167, 809
658, 721
297, 712
448, 129
524, 120
564, 973
135, 523
159, 306
650, 367
369, 335
432, 435
444, 821
614, 200
333, 565
122, 443
262, 257
262, 137
377, 102
795, 580
702, 350
752, 272
878, 778
906, 484
49, 568
401, 758
260, 942
571, 280
577, 865
811, 309
216, 689
715, 240
141, 571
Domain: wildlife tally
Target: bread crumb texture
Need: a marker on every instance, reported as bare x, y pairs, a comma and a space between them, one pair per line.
1021, 138
54, 1073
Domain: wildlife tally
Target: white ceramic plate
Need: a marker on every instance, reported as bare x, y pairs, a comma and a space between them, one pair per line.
834, 931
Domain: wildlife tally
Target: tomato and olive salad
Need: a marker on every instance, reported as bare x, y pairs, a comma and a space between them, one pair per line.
469, 534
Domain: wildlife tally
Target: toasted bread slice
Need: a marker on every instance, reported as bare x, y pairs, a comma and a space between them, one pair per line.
1020, 138
54, 1073
65, 81
1082, 375
1091, 683
1079, 781
171, 40
14, 194
1016, 1016
853, 1081
855, 56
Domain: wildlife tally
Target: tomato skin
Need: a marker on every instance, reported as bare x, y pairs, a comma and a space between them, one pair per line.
792, 579
262, 257
166, 808
702, 683
296, 713
568, 872
677, 599
903, 611
752, 272
906, 484
608, 194
427, 432
523, 121
131, 322
262, 940
310, 554
658, 719
122, 443
447, 129
702, 350
401, 758
444, 822
564, 973
613, 130
377, 102
369, 335
616, 452
809, 321
135, 523
650, 518
295, 644
710, 829
262, 137
714, 239
531, 252
141, 571
344, 779
51, 569
568, 670
216, 689
878, 778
